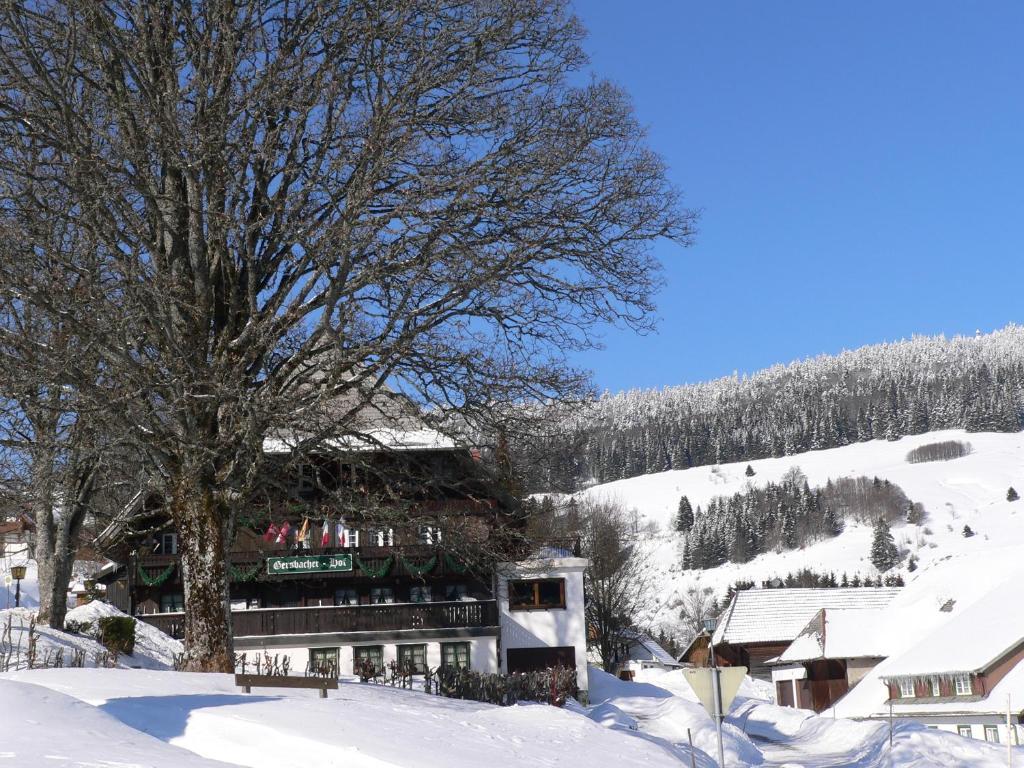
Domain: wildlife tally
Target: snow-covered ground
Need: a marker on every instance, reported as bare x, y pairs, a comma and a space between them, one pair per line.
970, 490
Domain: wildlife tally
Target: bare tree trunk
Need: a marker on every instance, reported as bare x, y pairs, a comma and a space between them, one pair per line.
203, 538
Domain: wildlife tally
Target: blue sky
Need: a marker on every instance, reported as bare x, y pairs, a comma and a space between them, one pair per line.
859, 165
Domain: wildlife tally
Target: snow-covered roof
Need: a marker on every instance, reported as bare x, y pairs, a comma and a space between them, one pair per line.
657, 652
779, 615
372, 440
840, 633
971, 641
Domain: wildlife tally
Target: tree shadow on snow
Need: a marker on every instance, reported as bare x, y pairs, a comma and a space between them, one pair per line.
166, 717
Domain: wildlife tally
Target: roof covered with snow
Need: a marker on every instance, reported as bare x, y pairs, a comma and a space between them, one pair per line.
971, 641
779, 615
656, 652
840, 633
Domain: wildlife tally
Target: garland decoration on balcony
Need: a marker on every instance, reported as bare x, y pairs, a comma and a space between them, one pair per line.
374, 573
419, 570
243, 574
155, 581
454, 565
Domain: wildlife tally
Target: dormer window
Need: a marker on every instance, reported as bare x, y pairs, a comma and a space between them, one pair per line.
936, 691
429, 534
167, 544
962, 685
383, 537
906, 689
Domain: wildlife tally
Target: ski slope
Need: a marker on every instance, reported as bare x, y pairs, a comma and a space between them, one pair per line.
970, 490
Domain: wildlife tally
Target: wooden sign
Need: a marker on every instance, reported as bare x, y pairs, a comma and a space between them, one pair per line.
282, 566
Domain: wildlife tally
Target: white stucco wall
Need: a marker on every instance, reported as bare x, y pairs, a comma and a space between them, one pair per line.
483, 653
545, 628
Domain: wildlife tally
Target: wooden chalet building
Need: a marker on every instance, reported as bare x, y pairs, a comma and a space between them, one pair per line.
831, 655
327, 588
760, 624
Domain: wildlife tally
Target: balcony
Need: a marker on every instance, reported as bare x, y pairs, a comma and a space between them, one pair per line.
263, 622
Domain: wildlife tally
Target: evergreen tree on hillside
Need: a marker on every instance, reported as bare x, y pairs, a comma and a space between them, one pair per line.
968, 531
884, 554
1012, 495
684, 516
750, 471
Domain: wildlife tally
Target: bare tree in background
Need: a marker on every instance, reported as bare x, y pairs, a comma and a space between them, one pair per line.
618, 581
292, 204
698, 603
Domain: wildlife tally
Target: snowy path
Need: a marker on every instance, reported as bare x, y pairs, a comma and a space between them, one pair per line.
780, 755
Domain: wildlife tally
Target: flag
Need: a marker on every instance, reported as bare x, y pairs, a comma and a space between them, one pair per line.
271, 533
325, 534
303, 535
282, 537
340, 530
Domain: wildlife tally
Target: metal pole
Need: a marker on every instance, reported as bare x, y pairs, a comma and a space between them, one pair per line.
17, 594
890, 725
716, 686
693, 756
1009, 735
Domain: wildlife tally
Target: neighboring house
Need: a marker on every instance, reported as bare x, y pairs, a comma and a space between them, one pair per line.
343, 592
759, 624
962, 676
17, 533
837, 648
644, 652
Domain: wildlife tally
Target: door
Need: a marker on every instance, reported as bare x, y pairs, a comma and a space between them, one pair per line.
538, 659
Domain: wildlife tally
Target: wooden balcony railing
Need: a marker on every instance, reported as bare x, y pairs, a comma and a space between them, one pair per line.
262, 622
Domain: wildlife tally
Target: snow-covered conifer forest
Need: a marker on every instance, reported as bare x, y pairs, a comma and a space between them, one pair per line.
881, 391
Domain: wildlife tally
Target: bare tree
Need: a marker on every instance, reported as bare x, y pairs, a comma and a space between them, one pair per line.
698, 603
618, 581
292, 204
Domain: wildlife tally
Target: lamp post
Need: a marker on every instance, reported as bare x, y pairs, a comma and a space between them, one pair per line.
17, 573
716, 686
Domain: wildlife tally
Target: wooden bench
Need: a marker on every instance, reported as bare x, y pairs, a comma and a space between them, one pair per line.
324, 684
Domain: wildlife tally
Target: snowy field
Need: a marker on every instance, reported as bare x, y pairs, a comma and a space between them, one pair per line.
970, 490
123, 718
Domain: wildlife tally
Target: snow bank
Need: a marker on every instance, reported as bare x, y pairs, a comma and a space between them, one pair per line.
43, 727
360, 726
153, 649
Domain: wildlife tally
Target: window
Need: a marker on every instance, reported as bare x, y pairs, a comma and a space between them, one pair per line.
349, 538
171, 603
455, 655
383, 537
429, 534
906, 689
369, 658
323, 662
420, 593
965, 731
346, 597
167, 544
379, 595
962, 685
936, 690
454, 591
306, 480
992, 734
413, 657
536, 594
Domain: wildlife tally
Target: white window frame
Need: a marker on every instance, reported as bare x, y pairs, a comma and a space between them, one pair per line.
349, 538
936, 690
907, 689
173, 539
384, 537
965, 731
421, 593
429, 534
992, 730
962, 685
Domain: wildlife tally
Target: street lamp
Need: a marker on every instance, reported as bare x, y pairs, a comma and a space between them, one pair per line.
710, 624
18, 573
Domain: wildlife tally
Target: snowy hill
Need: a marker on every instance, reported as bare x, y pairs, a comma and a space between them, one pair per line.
970, 490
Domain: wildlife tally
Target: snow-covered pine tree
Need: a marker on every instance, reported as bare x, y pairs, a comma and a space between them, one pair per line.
1012, 495
684, 515
884, 554
749, 472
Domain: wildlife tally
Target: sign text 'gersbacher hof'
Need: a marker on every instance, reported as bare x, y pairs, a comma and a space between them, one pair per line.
280, 566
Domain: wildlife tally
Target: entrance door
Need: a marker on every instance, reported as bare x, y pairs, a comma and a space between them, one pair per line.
537, 659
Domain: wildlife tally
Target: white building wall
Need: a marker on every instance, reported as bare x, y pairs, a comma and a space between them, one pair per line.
545, 628
483, 653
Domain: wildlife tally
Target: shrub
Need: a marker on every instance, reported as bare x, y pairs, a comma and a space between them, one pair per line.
78, 627
1012, 495
968, 532
117, 633
944, 451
